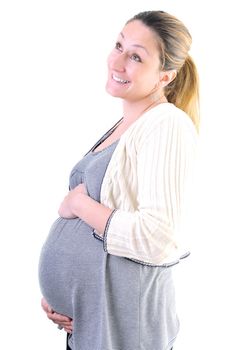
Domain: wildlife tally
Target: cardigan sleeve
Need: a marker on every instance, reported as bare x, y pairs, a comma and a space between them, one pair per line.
149, 233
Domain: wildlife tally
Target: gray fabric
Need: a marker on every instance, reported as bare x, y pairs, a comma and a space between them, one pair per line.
115, 303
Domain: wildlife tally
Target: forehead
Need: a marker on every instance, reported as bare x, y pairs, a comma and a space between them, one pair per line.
136, 32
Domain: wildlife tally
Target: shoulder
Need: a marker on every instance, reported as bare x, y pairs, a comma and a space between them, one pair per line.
166, 114
166, 120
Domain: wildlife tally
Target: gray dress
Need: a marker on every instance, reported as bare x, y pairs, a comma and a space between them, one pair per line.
115, 303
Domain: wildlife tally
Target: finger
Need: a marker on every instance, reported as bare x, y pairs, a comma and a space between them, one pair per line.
61, 318
63, 324
45, 306
58, 318
68, 330
81, 188
69, 326
84, 188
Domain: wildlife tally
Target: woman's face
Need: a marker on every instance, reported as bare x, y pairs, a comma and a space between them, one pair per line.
133, 64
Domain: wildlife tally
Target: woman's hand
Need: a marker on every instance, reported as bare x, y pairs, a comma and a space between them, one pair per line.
67, 207
61, 320
78, 204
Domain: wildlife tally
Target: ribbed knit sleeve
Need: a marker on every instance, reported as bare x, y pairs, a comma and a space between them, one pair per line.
163, 162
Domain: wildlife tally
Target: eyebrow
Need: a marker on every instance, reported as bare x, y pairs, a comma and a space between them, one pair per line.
135, 45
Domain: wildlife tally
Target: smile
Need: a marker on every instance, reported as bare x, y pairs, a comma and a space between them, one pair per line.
119, 80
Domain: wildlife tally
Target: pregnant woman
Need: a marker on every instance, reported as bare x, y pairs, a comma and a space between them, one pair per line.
105, 269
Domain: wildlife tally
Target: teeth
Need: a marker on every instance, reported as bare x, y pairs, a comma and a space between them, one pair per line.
120, 80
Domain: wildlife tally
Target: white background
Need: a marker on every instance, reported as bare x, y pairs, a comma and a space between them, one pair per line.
54, 107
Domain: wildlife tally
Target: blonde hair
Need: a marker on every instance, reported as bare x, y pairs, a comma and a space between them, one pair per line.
174, 42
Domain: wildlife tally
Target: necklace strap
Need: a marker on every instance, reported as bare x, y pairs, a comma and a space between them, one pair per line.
110, 131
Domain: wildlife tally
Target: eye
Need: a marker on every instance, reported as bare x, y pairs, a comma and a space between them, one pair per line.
118, 46
135, 57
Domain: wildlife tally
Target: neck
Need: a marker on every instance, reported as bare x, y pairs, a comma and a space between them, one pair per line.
133, 110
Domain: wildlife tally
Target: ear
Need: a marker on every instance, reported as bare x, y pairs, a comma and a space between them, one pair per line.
166, 77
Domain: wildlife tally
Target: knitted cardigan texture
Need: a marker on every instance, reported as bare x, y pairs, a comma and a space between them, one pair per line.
145, 183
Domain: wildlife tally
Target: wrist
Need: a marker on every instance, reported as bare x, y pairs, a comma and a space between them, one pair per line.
91, 211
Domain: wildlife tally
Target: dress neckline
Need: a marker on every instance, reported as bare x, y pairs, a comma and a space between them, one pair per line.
105, 148
104, 137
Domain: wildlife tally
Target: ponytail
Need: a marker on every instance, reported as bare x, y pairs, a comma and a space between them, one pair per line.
183, 91
175, 41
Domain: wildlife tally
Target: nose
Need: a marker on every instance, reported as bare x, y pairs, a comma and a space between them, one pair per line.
117, 62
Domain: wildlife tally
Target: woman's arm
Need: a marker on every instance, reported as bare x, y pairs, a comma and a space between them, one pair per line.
147, 234
77, 203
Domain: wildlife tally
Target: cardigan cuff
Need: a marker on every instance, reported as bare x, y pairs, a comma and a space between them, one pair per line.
104, 237
165, 265
96, 235
106, 230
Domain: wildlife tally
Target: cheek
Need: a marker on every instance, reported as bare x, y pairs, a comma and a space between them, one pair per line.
110, 59
147, 80
153, 77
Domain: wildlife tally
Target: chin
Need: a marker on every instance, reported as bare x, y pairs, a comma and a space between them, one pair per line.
116, 91
113, 92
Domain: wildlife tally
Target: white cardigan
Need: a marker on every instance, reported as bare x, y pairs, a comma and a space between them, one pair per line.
145, 182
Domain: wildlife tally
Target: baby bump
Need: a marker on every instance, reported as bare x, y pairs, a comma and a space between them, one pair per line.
69, 253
